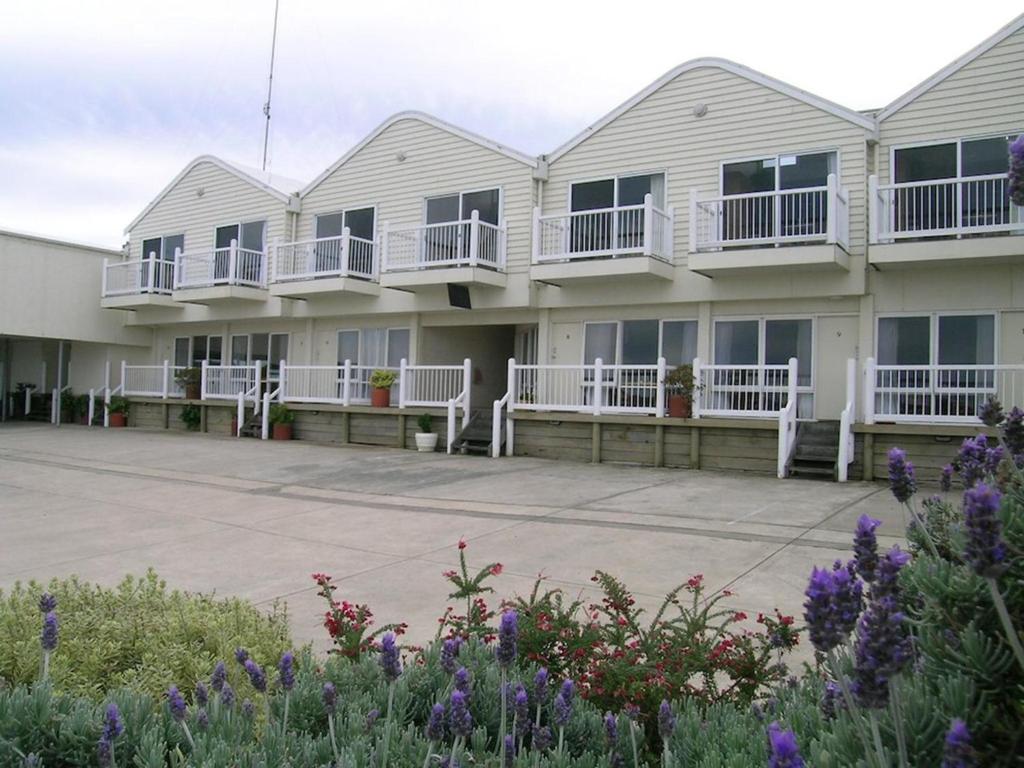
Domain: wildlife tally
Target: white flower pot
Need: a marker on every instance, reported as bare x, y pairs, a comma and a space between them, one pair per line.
426, 442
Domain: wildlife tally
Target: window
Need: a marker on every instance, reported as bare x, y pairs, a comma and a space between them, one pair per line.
606, 230
373, 347
163, 248
791, 215
964, 164
640, 342
181, 352
249, 235
360, 222
206, 348
452, 243
269, 349
678, 342
966, 340
756, 343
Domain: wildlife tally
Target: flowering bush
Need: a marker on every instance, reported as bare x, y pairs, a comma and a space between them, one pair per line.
349, 624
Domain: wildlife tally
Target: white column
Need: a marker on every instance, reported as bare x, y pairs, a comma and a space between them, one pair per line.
659, 406
598, 385
648, 224
830, 208
474, 237
467, 386
870, 376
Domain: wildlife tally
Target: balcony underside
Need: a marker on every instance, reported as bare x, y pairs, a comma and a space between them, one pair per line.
951, 252
416, 279
584, 270
220, 294
826, 258
139, 301
301, 289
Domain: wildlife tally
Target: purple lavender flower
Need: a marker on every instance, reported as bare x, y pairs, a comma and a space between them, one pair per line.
202, 694
51, 631
991, 412
1013, 431
975, 461
286, 670
847, 597
104, 753
568, 690
248, 708
508, 633
887, 578
256, 675
371, 718
521, 710
112, 724
542, 738
563, 705
1016, 171
957, 752
47, 603
219, 676
865, 547
540, 685
241, 656
901, 476
202, 720
450, 654
390, 658
329, 695
985, 551
176, 703
666, 720
946, 478
459, 720
882, 649
509, 751
462, 682
830, 700
784, 751
611, 729
227, 695
819, 611
435, 723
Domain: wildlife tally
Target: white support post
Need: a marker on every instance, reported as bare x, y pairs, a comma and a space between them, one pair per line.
451, 424
535, 234
282, 380
151, 276
106, 394
202, 380
402, 394
793, 368
692, 244
509, 421
474, 237
258, 386
92, 406
167, 376
383, 266
695, 407
830, 208
103, 279
598, 385
176, 281
648, 224
467, 386
265, 424
42, 377
870, 377
659, 397
55, 406
503, 245
232, 263
346, 244
873, 209
240, 414
346, 384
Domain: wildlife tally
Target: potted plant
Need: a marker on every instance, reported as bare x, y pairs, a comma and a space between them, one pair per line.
190, 379
281, 419
381, 382
118, 412
192, 416
68, 406
680, 386
426, 438
82, 408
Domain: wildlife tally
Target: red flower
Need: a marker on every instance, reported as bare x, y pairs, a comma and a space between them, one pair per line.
450, 574
695, 581
739, 616
786, 620
462, 543
496, 569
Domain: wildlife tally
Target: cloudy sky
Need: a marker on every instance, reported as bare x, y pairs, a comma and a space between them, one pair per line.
103, 102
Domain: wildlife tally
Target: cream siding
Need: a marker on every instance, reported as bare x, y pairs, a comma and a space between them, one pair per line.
436, 163
226, 199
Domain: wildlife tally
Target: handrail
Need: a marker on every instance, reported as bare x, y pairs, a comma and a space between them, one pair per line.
604, 233
466, 242
341, 255
463, 400
787, 422
267, 397
55, 403
846, 418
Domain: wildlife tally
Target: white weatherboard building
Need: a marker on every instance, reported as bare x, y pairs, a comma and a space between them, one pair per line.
840, 280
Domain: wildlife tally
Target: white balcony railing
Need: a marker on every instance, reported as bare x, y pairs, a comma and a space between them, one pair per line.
342, 256
938, 393
348, 384
470, 242
227, 382
138, 276
628, 230
220, 266
596, 388
769, 219
150, 380
730, 391
944, 208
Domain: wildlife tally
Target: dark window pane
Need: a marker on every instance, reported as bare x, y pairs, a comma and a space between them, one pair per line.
252, 235
633, 189
904, 341
213, 348
801, 171
486, 202
398, 346
736, 342
278, 352
679, 342
150, 247
260, 347
348, 347
441, 209
240, 350
748, 176
600, 340
172, 243
784, 339
198, 350
936, 161
360, 223
329, 225
225, 235
592, 195
979, 157
966, 340
639, 342
181, 352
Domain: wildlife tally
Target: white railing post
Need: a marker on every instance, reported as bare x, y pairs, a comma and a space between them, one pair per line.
346, 238
474, 237
232, 263
792, 396
265, 424
258, 380
692, 245
598, 385
698, 389
106, 394
281, 380
503, 245
383, 266
659, 397
509, 422
402, 394
239, 414
151, 277
346, 384
831, 190
176, 279
873, 210
451, 424
92, 406
166, 386
535, 234
783, 452
55, 406
870, 377
648, 224
103, 279
202, 380
496, 428
467, 384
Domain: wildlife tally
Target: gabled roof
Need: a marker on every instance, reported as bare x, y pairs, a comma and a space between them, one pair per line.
423, 117
839, 111
273, 184
952, 68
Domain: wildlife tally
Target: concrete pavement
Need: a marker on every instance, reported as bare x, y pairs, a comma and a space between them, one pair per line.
255, 519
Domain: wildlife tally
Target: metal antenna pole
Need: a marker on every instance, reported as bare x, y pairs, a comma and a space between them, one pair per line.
270, 87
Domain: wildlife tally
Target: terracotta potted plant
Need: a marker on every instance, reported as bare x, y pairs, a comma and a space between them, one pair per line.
281, 420
118, 412
68, 407
82, 408
190, 379
680, 386
426, 438
381, 382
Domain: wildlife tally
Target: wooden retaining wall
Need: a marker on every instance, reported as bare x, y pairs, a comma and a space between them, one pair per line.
929, 447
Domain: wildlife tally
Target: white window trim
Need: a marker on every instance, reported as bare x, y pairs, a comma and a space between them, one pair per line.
730, 161
460, 194
933, 330
958, 140
207, 336
615, 186
248, 343
162, 255
266, 229
342, 212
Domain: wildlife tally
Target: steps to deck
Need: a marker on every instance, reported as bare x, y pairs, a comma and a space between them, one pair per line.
817, 449
477, 437
252, 426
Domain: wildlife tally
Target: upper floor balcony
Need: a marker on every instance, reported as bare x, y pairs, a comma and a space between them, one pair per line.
220, 274
957, 219
799, 228
137, 283
468, 251
346, 264
620, 240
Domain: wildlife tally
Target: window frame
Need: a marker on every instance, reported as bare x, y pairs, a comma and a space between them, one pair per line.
752, 158
240, 223
762, 339
343, 212
162, 255
248, 346
933, 332
958, 141
192, 350
619, 336
460, 194
387, 342
614, 178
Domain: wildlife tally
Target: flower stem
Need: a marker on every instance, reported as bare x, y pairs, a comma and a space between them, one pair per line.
924, 529
426, 760
561, 739
897, 721
387, 726
877, 738
284, 720
504, 705
851, 705
455, 751
334, 741
1004, 616
188, 735
665, 755
632, 739
46, 665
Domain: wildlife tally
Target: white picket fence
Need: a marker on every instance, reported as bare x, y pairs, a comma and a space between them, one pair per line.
150, 380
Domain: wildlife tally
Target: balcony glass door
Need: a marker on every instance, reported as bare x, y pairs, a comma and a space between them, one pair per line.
327, 256
760, 349
443, 243
222, 256
606, 230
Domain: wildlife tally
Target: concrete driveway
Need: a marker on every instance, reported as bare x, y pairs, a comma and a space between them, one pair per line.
255, 519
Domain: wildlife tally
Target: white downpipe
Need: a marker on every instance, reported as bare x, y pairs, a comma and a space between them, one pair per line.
659, 405
697, 389
240, 414
845, 456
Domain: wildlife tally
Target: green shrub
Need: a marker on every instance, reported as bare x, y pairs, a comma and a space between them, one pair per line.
119, 404
192, 416
425, 423
138, 635
280, 414
383, 379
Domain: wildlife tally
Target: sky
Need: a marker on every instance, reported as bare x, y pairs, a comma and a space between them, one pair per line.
102, 103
